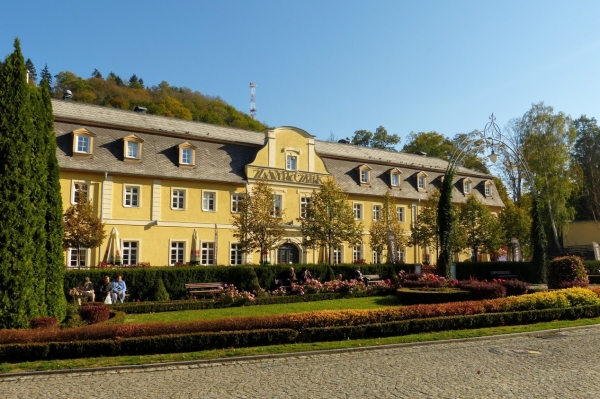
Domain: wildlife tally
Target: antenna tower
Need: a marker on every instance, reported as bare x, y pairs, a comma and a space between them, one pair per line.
252, 99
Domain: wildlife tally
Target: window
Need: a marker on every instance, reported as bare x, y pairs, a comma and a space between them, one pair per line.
291, 162
208, 201
422, 182
488, 189
413, 214
133, 149
187, 155
304, 202
208, 253
357, 211
376, 212
467, 187
130, 253
337, 255
73, 261
131, 199
395, 180
376, 257
364, 176
276, 210
79, 187
235, 254
400, 213
177, 253
401, 255
236, 201
356, 253
178, 199
83, 143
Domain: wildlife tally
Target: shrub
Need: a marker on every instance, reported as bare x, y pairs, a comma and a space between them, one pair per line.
567, 271
43, 322
94, 312
161, 293
408, 296
482, 289
329, 274
427, 280
515, 287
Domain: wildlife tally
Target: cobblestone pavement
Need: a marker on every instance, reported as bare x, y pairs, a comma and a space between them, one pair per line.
563, 364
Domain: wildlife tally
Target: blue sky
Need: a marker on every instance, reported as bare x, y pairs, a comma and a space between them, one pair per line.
334, 66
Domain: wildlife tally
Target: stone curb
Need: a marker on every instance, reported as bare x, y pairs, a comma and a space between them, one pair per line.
254, 358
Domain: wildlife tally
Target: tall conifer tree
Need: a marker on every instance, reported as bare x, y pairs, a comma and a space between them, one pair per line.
17, 295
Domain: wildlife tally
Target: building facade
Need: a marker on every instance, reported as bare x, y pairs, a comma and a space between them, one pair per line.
157, 180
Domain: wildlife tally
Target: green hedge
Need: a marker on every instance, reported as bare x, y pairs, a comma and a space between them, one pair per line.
141, 282
482, 270
236, 339
592, 266
407, 296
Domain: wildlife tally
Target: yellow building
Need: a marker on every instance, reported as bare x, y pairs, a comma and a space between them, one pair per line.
157, 180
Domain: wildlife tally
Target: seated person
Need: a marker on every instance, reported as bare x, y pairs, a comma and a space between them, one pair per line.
106, 289
359, 277
305, 276
83, 289
291, 277
119, 288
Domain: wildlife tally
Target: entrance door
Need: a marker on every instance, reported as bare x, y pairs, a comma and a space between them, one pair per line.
288, 253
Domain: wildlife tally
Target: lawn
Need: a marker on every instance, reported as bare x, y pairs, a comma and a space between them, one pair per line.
264, 310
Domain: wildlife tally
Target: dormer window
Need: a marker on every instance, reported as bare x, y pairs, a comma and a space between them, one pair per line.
83, 143
132, 148
395, 175
187, 155
422, 182
488, 188
467, 185
364, 175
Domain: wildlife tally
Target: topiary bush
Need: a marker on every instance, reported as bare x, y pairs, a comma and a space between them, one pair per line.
482, 289
94, 312
567, 271
43, 322
515, 287
161, 293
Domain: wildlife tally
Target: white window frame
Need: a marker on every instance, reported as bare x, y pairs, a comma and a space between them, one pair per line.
207, 253
467, 187
357, 207
274, 211
127, 251
376, 212
357, 253
395, 180
401, 214
79, 185
187, 156
365, 176
401, 255
184, 199
83, 144
72, 258
304, 202
291, 162
206, 201
236, 200
338, 255
422, 182
236, 255
376, 257
488, 189
137, 196
133, 149
180, 250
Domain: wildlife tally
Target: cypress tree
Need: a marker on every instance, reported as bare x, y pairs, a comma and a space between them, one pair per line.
17, 294
55, 297
445, 218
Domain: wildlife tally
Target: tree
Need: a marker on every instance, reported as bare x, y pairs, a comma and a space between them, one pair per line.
96, 74
381, 139
48, 76
483, 232
31, 69
135, 82
445, 220
586, 154
18, 219
83, 229
329, 220
516, 223
258, 222
424, 231
387, 232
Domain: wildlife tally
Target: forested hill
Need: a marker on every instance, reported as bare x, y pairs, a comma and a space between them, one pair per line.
166, 100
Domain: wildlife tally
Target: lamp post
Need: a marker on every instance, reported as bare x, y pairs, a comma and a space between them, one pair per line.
490, 136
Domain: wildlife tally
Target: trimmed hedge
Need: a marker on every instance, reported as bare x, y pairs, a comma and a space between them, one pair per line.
236, 339
408, 296
482, 270
142, 282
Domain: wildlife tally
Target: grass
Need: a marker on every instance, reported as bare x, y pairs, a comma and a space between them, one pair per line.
264, 310
275, 349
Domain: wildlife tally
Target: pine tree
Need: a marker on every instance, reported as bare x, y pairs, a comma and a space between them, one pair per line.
48, 76
17, 294
55, 297
31, 68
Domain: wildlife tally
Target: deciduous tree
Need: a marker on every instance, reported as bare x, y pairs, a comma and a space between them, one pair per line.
586, 154
381, 139
482, 229
387, 232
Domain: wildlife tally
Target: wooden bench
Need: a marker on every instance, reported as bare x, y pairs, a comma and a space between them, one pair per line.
372, 278
503, 274
204, 288
282, 283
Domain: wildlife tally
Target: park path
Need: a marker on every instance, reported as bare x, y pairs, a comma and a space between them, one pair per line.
558, 364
